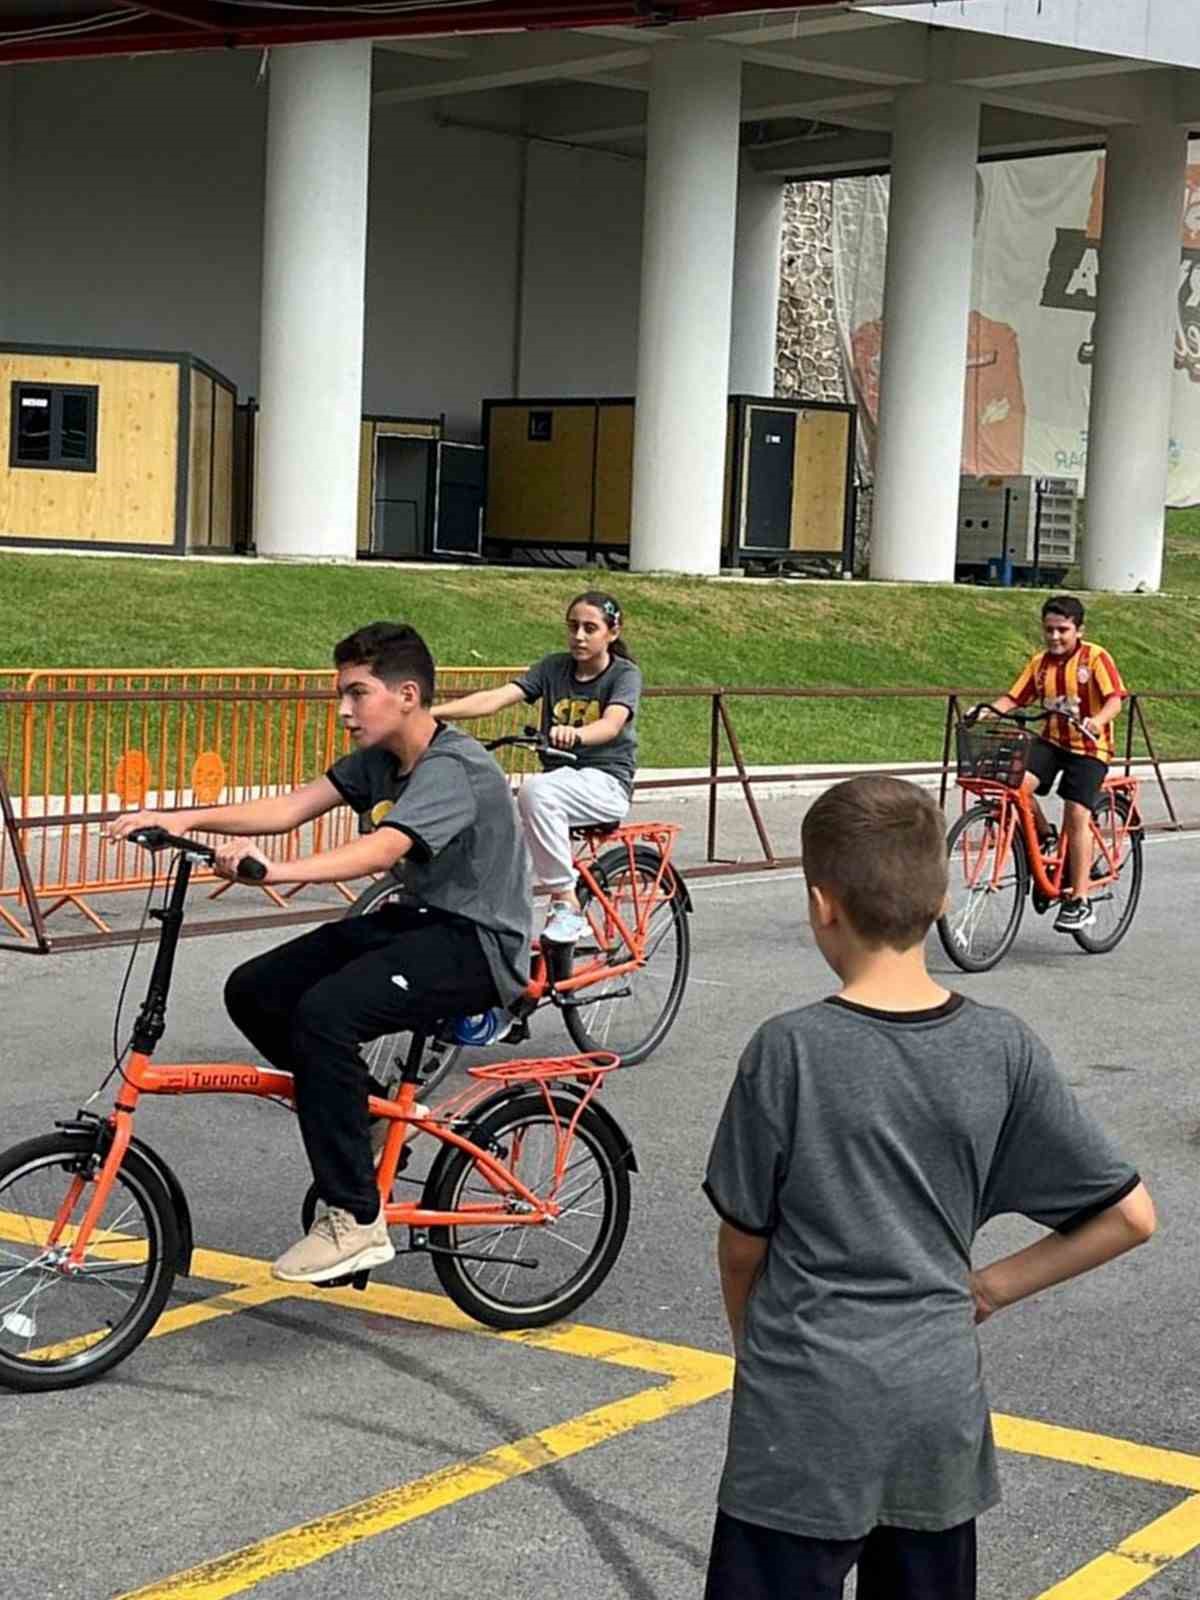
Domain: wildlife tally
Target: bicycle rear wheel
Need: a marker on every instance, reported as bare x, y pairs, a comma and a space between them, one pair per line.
386, 1055
58, 1329
983, 906
530, 1274
1114, 904
631, 1013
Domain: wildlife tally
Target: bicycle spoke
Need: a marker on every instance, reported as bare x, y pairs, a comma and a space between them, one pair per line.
628, 1013
527, 1263
49, 1311
984, 899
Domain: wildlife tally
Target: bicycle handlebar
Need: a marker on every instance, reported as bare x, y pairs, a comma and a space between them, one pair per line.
249, 870
531, 739
1024, 718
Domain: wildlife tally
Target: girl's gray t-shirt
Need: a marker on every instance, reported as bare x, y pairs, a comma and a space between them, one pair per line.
869, 1148
568, 701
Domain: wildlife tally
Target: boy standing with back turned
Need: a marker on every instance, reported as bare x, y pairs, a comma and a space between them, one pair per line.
865, 1141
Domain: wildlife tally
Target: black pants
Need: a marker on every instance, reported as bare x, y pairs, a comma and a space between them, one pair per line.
308, 1005
753, 1563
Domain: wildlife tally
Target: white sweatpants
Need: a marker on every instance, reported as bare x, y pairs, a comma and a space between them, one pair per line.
552, 803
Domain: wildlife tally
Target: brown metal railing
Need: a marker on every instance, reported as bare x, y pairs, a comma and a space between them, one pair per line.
955, 702
76, 749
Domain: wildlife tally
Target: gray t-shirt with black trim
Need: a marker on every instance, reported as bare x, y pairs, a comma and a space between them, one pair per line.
869, 1148
568, 701
468, 857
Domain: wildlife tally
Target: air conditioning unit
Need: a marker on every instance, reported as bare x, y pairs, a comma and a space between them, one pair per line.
1017, 529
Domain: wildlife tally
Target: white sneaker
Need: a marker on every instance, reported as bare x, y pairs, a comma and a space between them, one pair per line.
565, 925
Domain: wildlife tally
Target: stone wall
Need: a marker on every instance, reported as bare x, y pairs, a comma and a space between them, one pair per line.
808, 362
808, 357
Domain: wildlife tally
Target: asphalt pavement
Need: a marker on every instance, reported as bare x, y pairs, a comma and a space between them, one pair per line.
226, 1433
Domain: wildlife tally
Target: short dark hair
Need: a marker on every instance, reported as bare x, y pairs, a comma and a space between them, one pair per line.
878, 845
393, 651
1065, 605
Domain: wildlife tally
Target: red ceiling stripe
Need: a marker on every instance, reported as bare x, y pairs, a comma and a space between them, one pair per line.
144, 35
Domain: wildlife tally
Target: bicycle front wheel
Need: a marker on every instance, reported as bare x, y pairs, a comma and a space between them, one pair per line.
386, 1055
60, 1328
631, 1013
985, 900
1114, 904
527, 1275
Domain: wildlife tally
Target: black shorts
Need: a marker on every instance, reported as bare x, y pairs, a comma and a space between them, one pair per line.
1082, 776
753, 1563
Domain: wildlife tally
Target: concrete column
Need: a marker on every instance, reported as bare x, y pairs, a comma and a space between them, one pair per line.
926, 303
1130, 420
756, 282
314, 263
686, 301
9, 210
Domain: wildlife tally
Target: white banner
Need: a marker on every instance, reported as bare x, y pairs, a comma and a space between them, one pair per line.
1029, 351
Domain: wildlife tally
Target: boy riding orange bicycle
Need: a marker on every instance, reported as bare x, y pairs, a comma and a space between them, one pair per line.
1078, 684
427, 796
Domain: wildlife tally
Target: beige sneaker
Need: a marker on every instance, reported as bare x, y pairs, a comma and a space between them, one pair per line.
335, 1246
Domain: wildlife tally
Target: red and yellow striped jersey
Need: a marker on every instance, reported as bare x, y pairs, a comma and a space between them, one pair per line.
1080, 684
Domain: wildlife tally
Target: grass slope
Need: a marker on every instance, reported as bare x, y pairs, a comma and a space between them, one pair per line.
61, 611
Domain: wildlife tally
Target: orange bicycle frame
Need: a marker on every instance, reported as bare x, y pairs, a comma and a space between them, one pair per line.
615, 932
1014, 807
142, 1076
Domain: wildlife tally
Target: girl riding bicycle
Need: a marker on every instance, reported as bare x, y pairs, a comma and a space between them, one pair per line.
589, 695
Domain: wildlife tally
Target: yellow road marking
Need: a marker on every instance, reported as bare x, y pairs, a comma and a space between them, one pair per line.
313, 1541
217, 1305
1135, 1560
1121, 1456
693, 1376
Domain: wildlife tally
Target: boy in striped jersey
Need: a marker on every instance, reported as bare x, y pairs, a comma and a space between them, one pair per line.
1075, 676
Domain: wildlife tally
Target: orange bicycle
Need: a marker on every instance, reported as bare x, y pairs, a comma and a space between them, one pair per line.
997, 861
620, 988
523, 1212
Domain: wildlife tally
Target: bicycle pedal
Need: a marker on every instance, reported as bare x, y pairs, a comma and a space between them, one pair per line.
349, 1280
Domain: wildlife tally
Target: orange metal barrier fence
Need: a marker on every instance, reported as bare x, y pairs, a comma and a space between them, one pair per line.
79, 747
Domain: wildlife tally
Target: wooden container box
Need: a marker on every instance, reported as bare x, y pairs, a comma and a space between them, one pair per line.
124, 449
560, 475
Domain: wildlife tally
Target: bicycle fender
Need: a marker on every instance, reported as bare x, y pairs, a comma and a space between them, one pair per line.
96, 1136
183, 1214
684, 892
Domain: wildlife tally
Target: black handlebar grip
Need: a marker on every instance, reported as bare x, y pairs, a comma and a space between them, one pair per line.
149, 838
251, 870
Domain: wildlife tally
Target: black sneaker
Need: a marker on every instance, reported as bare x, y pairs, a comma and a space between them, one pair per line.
1074, 914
